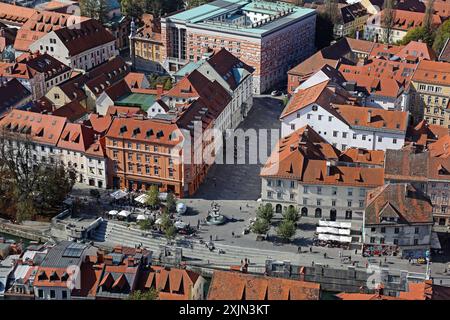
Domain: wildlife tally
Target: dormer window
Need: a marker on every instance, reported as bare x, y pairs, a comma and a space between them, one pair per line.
314, 108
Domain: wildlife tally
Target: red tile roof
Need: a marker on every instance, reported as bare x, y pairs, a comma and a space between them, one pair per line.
379, 118
40, 128
228, 285
172, 283
144, 130
86, 35
400, 201
76, 137
41, 23
304, 155
432, 72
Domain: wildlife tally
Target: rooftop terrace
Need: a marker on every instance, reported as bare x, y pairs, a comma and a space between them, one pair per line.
254, 17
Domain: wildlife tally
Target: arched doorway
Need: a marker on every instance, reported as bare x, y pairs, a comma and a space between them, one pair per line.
348, 214
278, 208
291, 207
304, 212
333, 215
318, 213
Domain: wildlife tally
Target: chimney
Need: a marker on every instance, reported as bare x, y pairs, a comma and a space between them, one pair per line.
159, 89
369, 116
328, 168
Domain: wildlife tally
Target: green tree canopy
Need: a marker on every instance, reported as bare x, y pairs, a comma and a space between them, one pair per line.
260, 226
151, 294
291, 214
145, 224
171, 202
95, 9
286, 230
153, 197
265, 212
418, 34
442, 34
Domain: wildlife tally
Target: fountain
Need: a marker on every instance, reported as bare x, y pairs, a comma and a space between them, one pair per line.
214, 217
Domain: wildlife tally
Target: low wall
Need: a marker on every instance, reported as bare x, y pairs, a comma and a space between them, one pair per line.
36, 236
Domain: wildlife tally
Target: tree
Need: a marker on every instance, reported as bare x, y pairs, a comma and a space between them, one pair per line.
195, 3
133, 8
260, 226
331, 11
95, 9
441, 36
145, 224
151, 294
291, 214
418, 34
388, 20
153, 197
265, 212
168, 84
286, 229
171, 202
34, 186
324, 28
428, 18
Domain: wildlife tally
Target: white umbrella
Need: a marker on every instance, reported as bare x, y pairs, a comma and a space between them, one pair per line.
158, 221
124, 213
141, 217
119, 194
141, 199
113, 212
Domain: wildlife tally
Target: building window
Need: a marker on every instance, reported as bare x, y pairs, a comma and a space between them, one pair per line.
40, 293
416, 230
397, 230
269, 194
383, 230
416, 242
305, 189
394, 141
64, 294
292, 184
52, 294
319, 190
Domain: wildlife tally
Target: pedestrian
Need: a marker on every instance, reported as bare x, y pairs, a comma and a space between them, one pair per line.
340, 254
356, 251
310, 249
240, 208
385, 259
325, 255
380, 263
312, 263
210, 237
299, 249
232, 234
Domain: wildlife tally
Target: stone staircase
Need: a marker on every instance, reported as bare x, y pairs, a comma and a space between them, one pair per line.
113, 233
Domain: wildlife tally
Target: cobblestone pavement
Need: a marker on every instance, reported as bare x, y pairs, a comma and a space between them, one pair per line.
241, 181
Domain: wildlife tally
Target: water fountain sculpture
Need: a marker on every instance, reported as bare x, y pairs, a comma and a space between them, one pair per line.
214, 217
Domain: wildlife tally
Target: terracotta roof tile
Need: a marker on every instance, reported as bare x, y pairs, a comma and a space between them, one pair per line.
400, 200
228, 285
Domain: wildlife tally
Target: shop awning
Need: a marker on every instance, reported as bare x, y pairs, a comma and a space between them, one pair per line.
141, 217
142, 198
124, 213
332, 237
119, 194
335, 224
337, 231
113, 212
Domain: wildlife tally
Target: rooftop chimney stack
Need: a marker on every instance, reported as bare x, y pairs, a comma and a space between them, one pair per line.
369, 116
